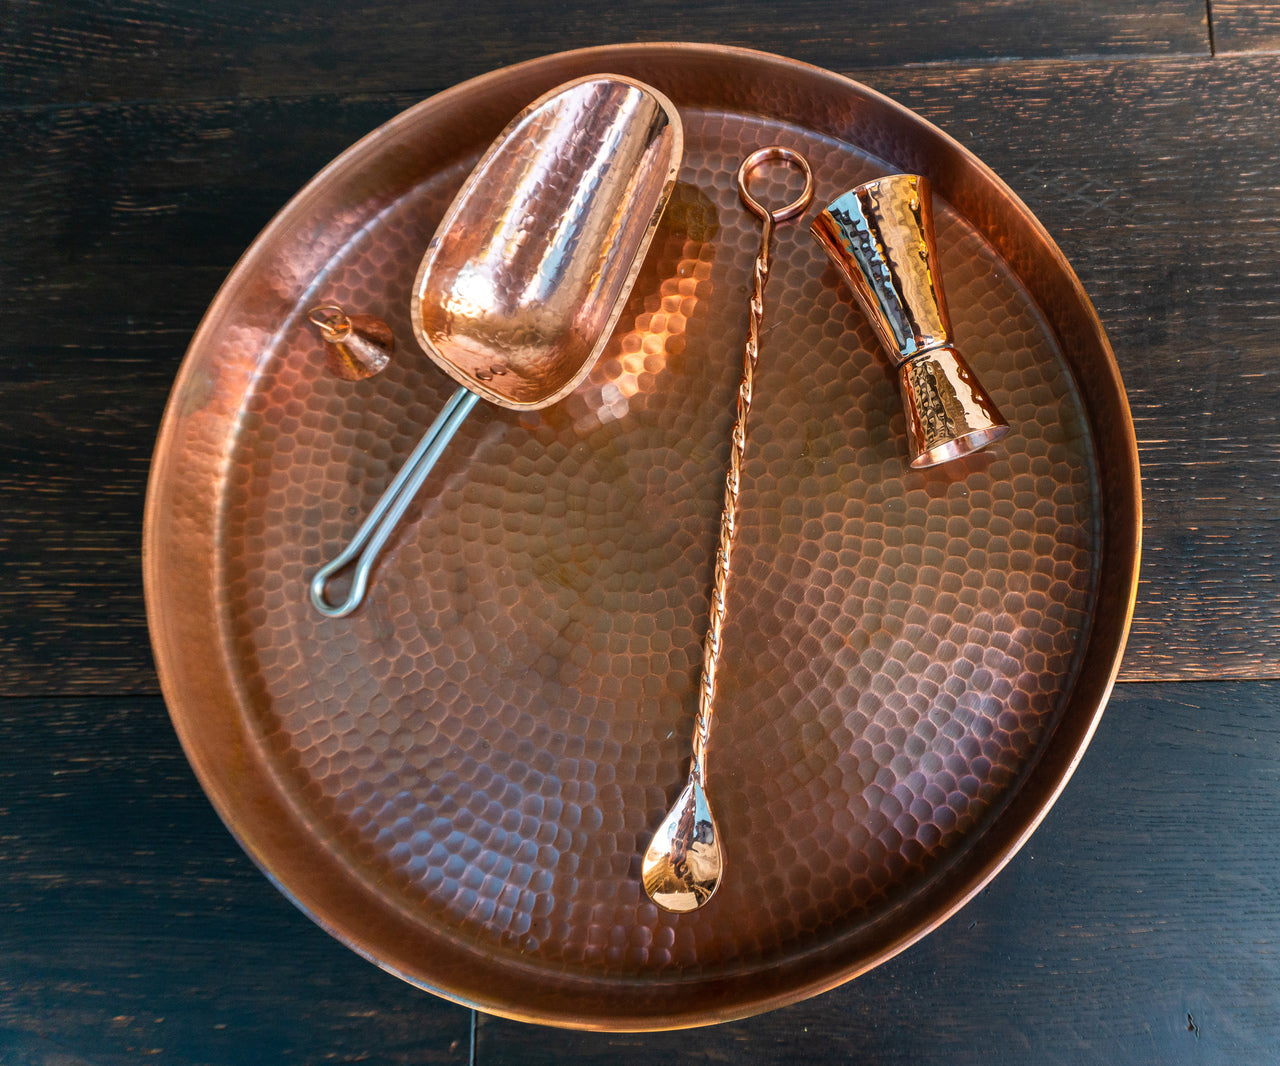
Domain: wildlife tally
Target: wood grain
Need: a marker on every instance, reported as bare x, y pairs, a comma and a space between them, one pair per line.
1136, 927
122, 225
1153, 176
178, 50
1246, 26
133, 929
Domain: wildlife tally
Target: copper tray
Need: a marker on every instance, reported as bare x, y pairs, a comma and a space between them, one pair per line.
459, 781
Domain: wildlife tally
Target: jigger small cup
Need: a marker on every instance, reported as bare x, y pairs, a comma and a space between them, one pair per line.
880, 237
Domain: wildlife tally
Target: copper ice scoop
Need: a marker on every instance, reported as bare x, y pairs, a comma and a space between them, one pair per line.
528, 272
880, 237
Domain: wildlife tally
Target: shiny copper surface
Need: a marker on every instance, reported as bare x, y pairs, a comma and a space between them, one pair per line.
949, 413
521, 286
460, 781
880, 237
356, 346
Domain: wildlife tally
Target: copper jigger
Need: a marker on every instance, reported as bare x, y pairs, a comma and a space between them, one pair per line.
880, 237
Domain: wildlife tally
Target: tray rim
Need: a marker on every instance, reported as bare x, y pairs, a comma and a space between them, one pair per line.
1120, 541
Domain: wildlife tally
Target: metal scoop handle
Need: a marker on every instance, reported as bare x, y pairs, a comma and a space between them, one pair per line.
372, 536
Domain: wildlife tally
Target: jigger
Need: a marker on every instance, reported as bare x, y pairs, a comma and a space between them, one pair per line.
880, 237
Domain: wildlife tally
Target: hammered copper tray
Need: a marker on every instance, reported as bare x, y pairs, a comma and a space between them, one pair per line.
459, 780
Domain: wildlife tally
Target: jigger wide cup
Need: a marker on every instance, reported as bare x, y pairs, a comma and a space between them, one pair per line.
880, 237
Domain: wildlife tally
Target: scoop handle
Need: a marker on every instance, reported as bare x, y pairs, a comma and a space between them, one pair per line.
372, 536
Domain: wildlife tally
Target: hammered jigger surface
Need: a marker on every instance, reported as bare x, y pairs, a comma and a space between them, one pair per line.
880, 237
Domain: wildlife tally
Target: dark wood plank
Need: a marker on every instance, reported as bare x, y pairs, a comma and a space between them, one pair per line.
1246, 26
178, 50
1138, 926
122, 223
132, 928
1154, 176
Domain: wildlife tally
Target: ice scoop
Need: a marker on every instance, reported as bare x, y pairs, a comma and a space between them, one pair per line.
524, 280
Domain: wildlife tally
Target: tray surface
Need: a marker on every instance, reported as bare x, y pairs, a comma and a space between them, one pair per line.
460, 779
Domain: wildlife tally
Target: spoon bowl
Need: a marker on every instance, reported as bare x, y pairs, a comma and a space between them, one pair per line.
681, 869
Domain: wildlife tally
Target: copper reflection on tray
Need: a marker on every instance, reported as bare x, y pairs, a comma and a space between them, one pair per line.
459, 780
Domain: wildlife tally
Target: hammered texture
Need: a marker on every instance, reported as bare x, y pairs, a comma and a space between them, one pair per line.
492, 739
523, 279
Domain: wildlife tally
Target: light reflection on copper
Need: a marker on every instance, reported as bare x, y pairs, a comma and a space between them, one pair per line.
532, 262
672, 291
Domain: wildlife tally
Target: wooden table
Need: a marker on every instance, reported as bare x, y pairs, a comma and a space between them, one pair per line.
147, 142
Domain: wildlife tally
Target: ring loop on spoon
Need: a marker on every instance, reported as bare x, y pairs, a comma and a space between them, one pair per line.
775, 153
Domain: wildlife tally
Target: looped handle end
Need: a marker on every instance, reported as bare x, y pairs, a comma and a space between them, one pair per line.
355, 595
775, 153
372, 536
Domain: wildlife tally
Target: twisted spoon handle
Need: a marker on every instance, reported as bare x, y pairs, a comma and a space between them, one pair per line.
738, 446
683, 863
